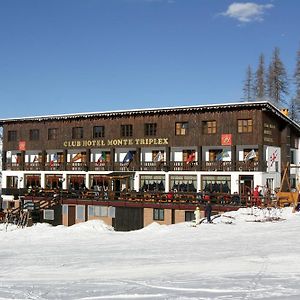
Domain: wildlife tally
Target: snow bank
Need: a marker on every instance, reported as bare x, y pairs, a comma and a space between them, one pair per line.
90, 226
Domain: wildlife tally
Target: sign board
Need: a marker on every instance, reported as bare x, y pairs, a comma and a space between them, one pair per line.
226, 139
22, 145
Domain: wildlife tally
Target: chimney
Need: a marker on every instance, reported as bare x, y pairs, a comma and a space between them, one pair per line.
285, 111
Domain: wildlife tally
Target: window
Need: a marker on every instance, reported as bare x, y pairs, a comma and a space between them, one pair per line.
188, 156
183, 183
54, 181
215, 155
293, 157
209, 127
77, 132
158, 156
152, 183
98, 131
126, 130
250, 155
181, 128
52, 133
158, 214
12, 181
34, 134
12, 135
49, 214
97, 211
219, 184
150, 129
65, 209
80, 212
32, 181
76, 182
245, 126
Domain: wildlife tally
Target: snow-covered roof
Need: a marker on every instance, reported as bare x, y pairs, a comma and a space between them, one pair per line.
145, 111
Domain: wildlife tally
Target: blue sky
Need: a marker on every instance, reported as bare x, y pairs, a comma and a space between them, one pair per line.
65, 56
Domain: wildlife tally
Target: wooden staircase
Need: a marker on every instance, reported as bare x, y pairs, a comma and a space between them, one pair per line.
22, 215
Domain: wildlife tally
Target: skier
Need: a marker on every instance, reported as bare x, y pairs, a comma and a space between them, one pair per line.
208, 209
197, 215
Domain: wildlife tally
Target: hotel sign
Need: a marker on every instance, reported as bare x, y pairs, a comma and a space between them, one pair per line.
116, 142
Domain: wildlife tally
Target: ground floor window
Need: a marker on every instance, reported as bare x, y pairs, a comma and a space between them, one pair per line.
53, 181
152, 183
97, 211
80, 212
158, 214
32, 181
12, 181
100, 181
270, 183
183, 183
76, 182
216, 184
65, 209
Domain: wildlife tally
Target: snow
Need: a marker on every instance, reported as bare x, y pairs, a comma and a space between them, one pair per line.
240, 256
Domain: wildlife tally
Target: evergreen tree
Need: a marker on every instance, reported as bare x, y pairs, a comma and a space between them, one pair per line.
297, 82
248, 89
293, 110
277, 80
260, 84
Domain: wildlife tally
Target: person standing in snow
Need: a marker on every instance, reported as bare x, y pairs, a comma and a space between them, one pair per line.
208, 210
256, 197
197, 215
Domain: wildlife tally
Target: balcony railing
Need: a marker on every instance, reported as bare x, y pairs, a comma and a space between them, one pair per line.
54, 166
217, 166
102, 166
36, 166
12, 166
224, 166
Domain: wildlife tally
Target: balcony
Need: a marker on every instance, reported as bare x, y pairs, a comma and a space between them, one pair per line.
223, 166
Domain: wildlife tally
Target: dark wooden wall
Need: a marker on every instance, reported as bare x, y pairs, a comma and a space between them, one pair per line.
226, 123
127, 219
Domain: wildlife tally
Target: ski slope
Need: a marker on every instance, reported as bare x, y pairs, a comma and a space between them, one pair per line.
238, 257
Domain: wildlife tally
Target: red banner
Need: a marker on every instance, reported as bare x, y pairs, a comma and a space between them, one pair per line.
226, 139
22, 145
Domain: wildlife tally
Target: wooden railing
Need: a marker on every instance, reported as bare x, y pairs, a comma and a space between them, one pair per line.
225, 166
155, 197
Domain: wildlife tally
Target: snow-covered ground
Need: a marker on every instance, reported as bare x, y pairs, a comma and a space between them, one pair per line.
232, 259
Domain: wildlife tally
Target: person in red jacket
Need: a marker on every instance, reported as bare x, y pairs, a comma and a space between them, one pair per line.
256, 197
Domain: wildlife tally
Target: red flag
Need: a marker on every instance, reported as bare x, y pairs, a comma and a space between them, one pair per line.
191, 158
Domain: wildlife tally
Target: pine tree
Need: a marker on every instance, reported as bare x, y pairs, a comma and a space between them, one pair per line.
260, 84
293, 110
297, 82
277, 80
248, 89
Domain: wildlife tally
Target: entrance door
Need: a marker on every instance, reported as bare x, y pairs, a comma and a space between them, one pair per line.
71, 215
246, 184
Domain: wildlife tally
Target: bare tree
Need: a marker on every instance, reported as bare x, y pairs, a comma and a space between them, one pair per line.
248, 89
277, 80
260, 84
